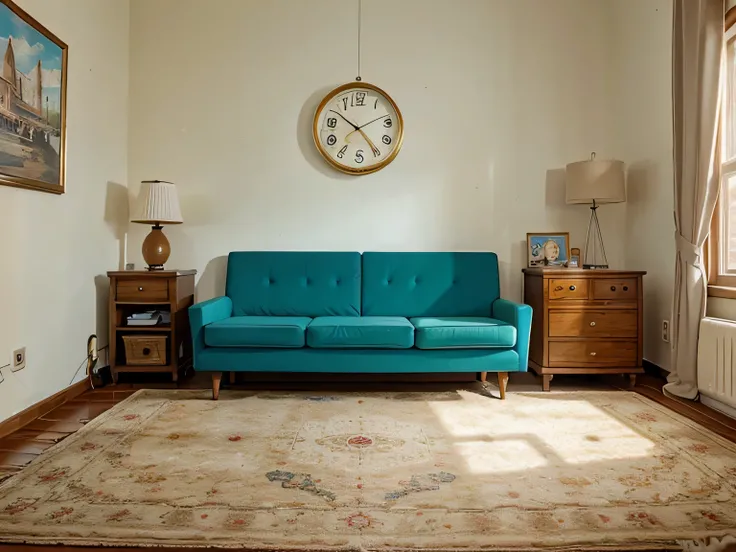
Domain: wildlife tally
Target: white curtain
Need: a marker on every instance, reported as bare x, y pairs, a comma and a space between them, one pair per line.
697, 47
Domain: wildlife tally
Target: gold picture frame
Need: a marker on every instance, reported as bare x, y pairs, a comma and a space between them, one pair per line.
32, 103
547, 249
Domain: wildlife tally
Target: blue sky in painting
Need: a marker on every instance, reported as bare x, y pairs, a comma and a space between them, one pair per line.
41, 47
29, 46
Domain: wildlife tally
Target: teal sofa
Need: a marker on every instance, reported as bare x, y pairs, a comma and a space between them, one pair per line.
344, 312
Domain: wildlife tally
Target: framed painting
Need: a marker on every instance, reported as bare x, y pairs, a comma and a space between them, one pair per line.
32, 103
548, 249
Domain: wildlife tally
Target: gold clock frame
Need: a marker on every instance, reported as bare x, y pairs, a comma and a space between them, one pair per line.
350, 170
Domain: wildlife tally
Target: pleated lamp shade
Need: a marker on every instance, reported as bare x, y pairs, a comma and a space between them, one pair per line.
593, 180
158, 203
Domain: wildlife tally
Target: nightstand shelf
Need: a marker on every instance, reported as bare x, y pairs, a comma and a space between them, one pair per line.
144, 329
133, 292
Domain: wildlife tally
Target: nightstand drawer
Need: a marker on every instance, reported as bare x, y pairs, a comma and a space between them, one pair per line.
623, 289
612, 353
612, 323
568, 289
144, 290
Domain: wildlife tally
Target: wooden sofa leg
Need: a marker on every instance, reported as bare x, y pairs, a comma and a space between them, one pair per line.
483, 376
216, 379
503, 379
232, 378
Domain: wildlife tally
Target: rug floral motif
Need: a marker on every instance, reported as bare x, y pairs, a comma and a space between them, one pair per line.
378, 471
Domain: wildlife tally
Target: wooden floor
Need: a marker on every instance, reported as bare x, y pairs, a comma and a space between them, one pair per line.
21, 447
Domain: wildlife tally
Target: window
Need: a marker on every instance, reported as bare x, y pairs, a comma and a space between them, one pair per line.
722, 242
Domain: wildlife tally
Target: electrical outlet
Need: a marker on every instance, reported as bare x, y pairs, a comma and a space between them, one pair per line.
666, 331
19, 359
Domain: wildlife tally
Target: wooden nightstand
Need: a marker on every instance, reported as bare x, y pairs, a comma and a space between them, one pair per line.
140, 291
585, 322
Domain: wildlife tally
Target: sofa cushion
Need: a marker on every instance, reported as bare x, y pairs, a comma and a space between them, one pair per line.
257, 331
429, 284
294, 283
340, 332
462, 332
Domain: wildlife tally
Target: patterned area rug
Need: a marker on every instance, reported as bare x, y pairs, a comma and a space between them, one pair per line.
379, 471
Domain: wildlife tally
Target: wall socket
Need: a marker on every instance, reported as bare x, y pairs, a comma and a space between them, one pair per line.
19, 359
666, 331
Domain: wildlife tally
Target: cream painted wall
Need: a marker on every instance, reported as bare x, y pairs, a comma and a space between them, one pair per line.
497, 97
643, 107
55, 248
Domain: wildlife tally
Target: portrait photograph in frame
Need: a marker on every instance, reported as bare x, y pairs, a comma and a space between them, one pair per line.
32, 103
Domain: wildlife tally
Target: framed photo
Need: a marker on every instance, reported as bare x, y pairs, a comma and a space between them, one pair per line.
548, 249
32, 103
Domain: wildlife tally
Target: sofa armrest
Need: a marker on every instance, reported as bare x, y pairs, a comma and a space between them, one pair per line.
519, 316
205, 313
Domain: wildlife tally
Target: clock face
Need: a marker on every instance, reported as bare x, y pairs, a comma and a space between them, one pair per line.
358, 128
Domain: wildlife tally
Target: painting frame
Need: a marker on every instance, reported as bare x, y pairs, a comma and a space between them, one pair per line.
535, 240
35, 183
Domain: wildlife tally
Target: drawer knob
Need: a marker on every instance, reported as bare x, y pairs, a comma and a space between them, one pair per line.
613, 288
559, 288
593, 353
626, 288
592, 324
572, 288
140, 288
146, 351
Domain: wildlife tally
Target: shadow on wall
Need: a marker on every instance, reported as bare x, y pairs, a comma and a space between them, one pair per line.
102, 310
212, 282
554, 190
117, 216
305, 139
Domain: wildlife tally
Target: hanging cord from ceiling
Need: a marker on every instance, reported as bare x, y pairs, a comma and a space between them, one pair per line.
360, 18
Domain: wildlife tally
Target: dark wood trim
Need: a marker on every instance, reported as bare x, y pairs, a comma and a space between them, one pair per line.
16, 422
653, 370
730, 18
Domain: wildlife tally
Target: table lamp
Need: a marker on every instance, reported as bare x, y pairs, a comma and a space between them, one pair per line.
594, 182
158, 204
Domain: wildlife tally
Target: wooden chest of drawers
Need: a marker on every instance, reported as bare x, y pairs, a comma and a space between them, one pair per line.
585, 321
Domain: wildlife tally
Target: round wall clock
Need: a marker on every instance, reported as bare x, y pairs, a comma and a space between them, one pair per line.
358, 128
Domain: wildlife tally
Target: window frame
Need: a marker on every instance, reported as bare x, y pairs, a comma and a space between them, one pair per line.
722, 283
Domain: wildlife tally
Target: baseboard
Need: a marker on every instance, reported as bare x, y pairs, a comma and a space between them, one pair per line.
35, 411
652, 369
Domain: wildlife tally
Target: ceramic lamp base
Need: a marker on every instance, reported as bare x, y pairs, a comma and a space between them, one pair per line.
156, 249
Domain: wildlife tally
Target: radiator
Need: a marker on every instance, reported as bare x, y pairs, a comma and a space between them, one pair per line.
717, 360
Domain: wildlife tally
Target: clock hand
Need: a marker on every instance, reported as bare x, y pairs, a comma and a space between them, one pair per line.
374, 149
366, 124
348, 122
373, 121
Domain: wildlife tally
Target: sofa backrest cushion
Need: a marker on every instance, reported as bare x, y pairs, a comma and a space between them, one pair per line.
294, 283
429, 284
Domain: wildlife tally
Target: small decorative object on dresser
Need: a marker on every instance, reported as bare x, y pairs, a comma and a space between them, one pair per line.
585, 322
548, 249
138, 298
574, 258
158, 204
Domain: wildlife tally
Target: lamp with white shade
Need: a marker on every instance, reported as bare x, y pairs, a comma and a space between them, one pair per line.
594, 182
158, 204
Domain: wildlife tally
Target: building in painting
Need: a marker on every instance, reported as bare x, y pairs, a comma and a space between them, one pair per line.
21, 101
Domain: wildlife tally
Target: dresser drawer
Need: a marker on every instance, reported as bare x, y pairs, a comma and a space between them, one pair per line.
613, 323
144, 290
560, 288
623, 289
593, 351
